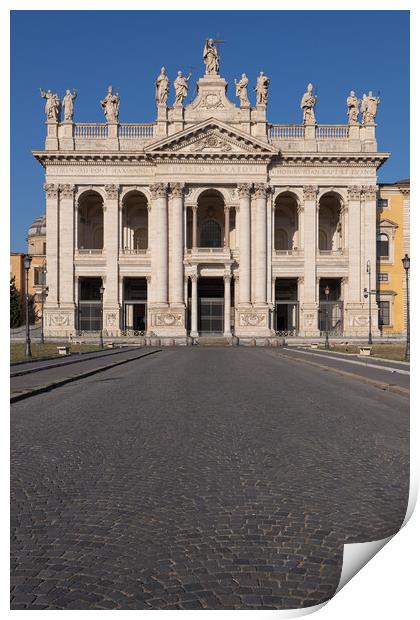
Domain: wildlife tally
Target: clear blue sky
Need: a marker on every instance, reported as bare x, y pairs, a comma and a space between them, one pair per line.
336, 50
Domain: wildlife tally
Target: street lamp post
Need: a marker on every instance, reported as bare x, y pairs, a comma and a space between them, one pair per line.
101, 337
27, 265
406, 265
327, 295
370, 303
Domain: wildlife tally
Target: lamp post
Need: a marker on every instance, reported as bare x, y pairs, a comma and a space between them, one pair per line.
370, 303
101, 337
27, 265
327, 295
406, 265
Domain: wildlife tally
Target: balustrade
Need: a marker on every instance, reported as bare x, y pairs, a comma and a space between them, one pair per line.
287, 132
332, 132
90, 130
132, 131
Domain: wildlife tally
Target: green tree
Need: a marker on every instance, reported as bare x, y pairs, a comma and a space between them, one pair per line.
15, 305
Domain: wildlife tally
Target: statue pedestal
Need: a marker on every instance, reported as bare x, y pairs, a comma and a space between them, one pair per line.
259, 119
51, 141
112, 139
162, 121
245, 111
65, 136
177, 118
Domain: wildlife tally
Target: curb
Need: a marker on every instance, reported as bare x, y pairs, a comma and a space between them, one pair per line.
67, 361
51, 386
382, 385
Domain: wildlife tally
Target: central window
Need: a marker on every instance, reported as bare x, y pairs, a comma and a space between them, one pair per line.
210, 234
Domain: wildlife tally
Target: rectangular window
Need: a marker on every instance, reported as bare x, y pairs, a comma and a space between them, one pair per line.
382, 203
384, 313
39, 276
382, 277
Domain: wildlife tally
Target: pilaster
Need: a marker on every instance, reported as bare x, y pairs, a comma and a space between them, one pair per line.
111, 309
309, 306
66, 253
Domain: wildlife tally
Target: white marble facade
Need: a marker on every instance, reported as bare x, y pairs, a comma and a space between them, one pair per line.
209, 220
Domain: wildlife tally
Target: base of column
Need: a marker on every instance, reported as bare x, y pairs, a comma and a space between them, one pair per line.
111, 320
59, 321
356, 320
167, 321
309, 321
252, 321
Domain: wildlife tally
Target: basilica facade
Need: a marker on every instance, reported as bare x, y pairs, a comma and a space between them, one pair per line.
211, 220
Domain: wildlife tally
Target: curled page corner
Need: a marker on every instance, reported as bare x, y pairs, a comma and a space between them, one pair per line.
356, 556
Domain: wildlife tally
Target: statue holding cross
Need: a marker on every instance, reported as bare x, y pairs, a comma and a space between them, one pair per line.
211, 57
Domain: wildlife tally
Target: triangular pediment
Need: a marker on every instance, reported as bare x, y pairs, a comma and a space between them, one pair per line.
386, 223
211, 138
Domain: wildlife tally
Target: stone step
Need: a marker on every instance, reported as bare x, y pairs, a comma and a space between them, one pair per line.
213, 341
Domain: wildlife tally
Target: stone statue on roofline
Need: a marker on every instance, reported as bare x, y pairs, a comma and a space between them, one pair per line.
353, 104
111, 106
261, 89
52, 105
181, 88
242, 90
68, 105
307, 104
162, 87
211, 57
369, 108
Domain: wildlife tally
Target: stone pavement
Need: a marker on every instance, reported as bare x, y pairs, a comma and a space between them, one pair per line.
201, 479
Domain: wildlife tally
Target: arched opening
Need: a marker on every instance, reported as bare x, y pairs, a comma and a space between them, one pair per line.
382, 246
330, 238
90, 221
286, 224
135, 223
211, 220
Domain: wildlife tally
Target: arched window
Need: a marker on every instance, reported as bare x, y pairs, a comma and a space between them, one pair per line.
140, 239
322, 240
382, 246
281, 241
210, 234
98, 237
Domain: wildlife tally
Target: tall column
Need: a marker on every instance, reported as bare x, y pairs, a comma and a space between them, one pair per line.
194, 227
53, 222
194, 308
159, 253
176, 204
244, 190
227, 227
354, 217
111, 245
260, 296
227, 329
369, 198
66, 253
309, 313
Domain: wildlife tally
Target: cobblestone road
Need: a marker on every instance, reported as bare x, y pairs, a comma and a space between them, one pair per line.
201, 479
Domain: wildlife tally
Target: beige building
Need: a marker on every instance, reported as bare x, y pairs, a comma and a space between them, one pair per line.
211, 220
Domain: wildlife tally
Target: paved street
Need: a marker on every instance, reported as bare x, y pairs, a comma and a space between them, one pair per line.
201, 478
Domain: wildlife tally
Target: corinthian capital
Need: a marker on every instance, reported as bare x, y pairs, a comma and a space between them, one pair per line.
177, 189
369, 192
309, 192
244, 190
260, 190
354, 192
51, 190
67, 191
112, 191
158, 190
